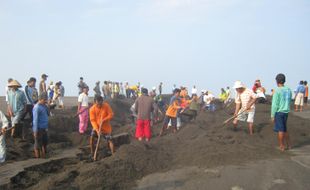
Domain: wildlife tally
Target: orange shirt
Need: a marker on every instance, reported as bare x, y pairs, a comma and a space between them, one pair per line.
101, 115
172, 110
307, 91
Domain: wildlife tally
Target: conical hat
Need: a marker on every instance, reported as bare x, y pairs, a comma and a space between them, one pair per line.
14, 83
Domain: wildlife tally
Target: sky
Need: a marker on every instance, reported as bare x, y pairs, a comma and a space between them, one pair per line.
207, 43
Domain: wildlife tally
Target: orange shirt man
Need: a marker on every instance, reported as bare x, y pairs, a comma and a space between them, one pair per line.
100, 116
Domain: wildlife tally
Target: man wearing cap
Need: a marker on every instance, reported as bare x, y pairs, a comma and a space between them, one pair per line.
245, 105
40, 126
42, 88
144, 106
16, 104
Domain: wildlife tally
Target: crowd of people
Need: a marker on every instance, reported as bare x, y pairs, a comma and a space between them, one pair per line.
35, 105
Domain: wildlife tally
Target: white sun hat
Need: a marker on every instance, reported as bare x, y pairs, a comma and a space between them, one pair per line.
239, 84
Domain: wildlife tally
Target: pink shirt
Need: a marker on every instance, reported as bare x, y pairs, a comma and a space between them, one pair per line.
245, 98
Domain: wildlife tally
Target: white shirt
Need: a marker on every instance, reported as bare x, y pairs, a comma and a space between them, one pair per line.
208, 98
83, 100
194, 91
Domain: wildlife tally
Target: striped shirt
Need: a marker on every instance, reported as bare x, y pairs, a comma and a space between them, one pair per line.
245, 98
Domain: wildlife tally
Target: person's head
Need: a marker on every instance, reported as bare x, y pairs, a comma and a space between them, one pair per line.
43, 98
32, 82
194, 86
195, 97
239, 86
44, 77
98, 82
305, 83
228, 87
99, 101
144, 91
154, 89
177, 92
301, 82
223, 90
105, 82
51, 83
81, 79
207, 93
85, 89
281, 79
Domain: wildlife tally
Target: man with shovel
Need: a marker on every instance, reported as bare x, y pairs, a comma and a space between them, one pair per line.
100, 116
245, 105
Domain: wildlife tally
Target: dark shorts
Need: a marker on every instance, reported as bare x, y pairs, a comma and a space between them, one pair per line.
280, 122
41, 139
305, 100
173, 121
107, 137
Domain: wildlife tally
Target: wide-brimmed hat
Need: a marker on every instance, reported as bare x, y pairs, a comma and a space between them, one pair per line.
14, 83
239, 84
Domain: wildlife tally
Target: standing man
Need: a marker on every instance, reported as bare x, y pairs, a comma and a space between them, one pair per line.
144, 106
172, 112
100, 116
194, 91
306, 93
127, 89
300, 94
42, 88
3, 127
160, 88
281, 102
97, 89
7, 89
62, 95
245, 104
40, 126
31, 97
17, 104
83, 104
81, 85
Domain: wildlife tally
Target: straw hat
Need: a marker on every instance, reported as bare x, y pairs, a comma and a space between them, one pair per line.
14, 83
239, 84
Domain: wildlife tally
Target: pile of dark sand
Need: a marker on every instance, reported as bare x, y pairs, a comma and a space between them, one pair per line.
203, 143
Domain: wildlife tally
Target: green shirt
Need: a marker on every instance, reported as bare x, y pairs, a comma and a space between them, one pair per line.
281, 101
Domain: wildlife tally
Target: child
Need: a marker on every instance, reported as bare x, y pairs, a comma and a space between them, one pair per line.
280, 109
172, 112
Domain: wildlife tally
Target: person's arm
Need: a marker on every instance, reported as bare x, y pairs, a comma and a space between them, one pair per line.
252, 101
35, 121
5, 122
238, 107
275, 105
136, 108
110, 113
93, 120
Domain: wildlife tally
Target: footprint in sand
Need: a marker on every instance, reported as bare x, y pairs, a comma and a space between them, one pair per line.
237, 188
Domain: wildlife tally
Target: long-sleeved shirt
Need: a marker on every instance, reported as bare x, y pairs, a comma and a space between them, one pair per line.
3, 121
31, 95
17, 100
281, 101
101, 115
172, 110
144, 105
40, 117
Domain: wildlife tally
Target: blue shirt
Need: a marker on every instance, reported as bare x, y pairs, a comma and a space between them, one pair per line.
17, 100
301, 89
40, 117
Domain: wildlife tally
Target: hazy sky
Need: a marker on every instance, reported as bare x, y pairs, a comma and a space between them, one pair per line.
210, 43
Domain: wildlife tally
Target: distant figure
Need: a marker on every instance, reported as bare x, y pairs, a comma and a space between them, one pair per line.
127, 89
281, 102
81, 85
306, 93
62, 95
194, 91
17, 104
300, 94
51, 91
245, 105
160, 88
172, 112
4, 124
82, 111
144, 106
97, 89
42, 87
106, 90
7, 89
209, 99
40, 126
121, 86
100, 116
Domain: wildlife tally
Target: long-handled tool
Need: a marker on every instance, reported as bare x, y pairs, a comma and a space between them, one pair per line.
233, 117
8, 129
98, 141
